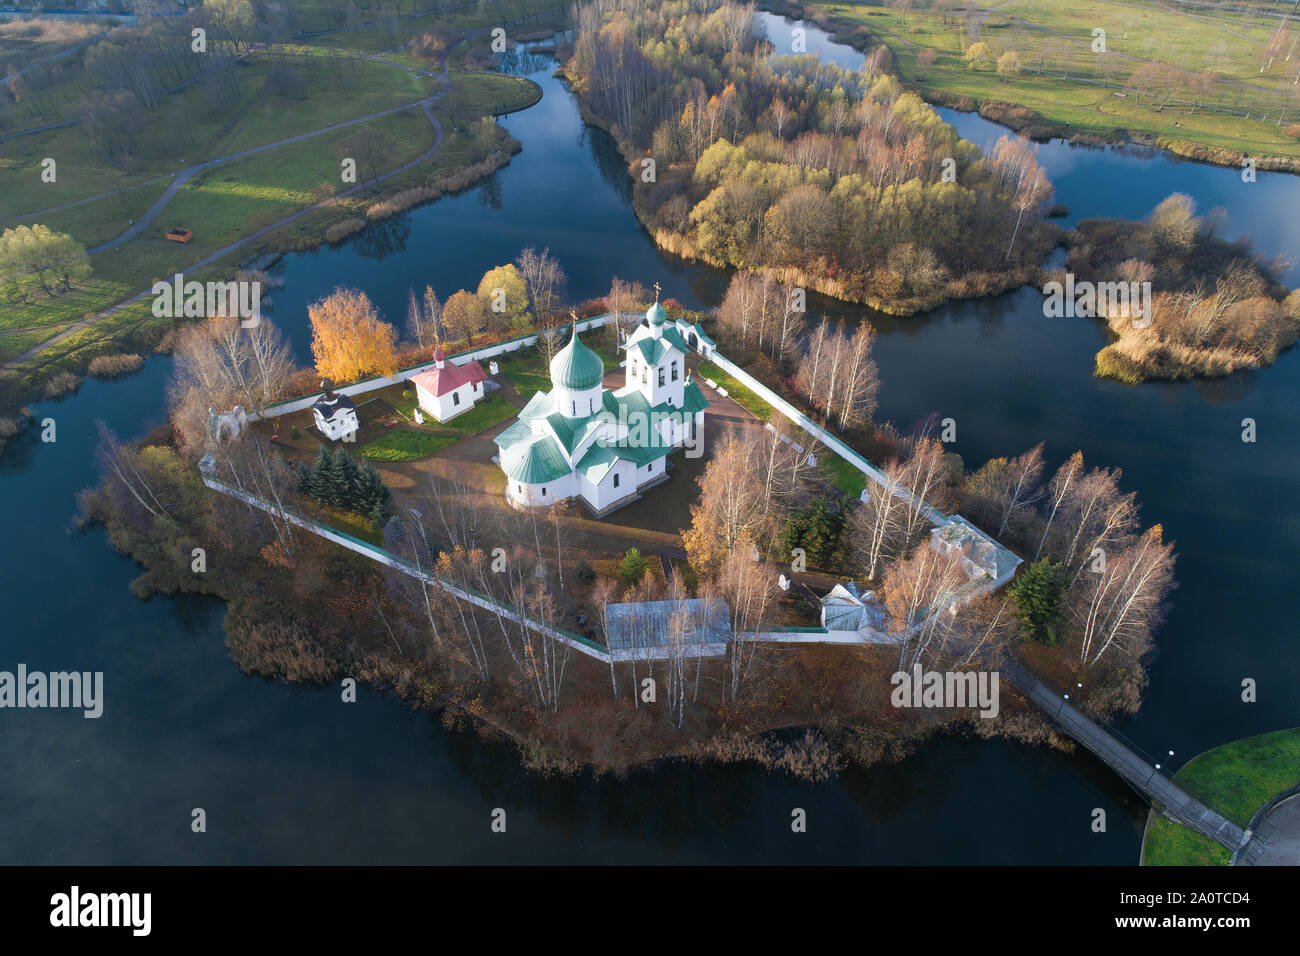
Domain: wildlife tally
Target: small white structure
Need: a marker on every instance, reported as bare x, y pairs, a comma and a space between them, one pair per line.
693, 338
846, 610
335, 414
228, 424
447, 389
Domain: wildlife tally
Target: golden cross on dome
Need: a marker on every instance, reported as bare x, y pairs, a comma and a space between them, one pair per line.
656, 291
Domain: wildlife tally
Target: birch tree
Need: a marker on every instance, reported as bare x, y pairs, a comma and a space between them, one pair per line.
1116, 609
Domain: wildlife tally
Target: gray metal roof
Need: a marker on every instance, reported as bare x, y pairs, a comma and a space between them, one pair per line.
640, 629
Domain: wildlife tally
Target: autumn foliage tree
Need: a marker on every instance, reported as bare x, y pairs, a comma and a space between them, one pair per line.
464, 314
348, 338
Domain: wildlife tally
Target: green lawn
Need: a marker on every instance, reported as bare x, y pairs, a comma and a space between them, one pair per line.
737, 392
406, 444
1236, 780
353, 524
843, 475
527, 373
485, 414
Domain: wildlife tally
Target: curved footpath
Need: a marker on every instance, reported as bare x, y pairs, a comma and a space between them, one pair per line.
426, 105
1274, 833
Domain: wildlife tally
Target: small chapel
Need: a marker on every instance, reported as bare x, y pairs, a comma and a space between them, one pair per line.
582, 440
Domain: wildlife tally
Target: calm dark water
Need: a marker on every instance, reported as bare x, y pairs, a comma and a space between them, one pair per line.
292, 775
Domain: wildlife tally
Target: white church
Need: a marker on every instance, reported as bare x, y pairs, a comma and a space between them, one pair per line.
581, 440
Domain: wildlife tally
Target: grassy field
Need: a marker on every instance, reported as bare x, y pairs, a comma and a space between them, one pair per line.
186, 129
1235, 779
844, 476
486, 413
737, 392
1082, 91
527, 371
232, 199
406, 444
24, 42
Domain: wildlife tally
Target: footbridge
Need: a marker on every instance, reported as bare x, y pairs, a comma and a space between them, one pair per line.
1165, 795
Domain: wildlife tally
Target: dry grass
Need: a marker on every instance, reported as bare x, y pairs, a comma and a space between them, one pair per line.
106, 367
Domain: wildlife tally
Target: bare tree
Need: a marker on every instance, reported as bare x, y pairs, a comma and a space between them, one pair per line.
920, 593
1116, 609
544, 281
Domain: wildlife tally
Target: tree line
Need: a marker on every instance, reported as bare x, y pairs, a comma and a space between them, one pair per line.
833, 179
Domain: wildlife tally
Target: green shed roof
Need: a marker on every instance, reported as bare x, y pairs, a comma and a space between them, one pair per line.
693, 399
674, 338
535, 462
597, 463
571, 432
519, 431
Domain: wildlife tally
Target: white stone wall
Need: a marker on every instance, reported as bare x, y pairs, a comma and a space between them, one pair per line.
531, 494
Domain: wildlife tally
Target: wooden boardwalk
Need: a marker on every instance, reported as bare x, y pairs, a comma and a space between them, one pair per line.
1166, 796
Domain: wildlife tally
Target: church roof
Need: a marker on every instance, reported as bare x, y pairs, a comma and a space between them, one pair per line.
674, 338
656, 314
539, 406
597, 462
577, 367
441, 381
572, 432
639, 452
328, 408
652, 350
634, 403
519, 431
536, 461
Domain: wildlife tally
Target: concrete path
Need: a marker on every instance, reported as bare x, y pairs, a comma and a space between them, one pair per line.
1275, 839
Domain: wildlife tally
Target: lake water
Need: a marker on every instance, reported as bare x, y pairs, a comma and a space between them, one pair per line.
292, 775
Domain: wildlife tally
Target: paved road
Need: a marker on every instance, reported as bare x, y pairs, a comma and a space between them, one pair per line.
1171, 799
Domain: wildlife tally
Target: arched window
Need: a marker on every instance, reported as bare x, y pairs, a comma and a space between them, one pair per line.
574, 403
661, 377
674, 370
615, 479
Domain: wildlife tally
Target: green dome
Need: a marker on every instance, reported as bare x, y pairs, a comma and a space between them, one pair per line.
577, 367
656, 314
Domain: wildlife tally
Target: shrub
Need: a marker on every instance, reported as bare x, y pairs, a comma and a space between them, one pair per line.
632, 568
61, 384
114, 366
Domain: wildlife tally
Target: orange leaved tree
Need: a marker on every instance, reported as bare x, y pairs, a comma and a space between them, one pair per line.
348, 338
